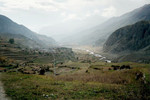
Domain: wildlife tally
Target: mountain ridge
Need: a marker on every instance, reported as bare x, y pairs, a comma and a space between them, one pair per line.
98, 35
130, 40
11, 27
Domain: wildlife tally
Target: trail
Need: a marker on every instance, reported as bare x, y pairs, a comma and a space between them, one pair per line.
2, 92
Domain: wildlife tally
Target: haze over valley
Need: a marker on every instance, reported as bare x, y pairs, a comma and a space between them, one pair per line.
75, 50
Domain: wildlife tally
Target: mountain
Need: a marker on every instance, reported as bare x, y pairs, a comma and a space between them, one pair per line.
129, 40
99, 34
21, 40
7, 26
67, 30
113, 24
132, 38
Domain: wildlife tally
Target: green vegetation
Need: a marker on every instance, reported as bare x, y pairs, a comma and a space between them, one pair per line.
130, 43
79, 84
34, 67
11, 41
75, 76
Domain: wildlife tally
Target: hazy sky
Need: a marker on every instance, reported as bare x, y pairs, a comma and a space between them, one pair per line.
36, 14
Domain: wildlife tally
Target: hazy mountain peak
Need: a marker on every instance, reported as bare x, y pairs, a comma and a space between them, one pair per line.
8, 26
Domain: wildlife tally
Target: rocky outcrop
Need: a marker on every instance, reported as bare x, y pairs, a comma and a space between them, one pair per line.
134, 37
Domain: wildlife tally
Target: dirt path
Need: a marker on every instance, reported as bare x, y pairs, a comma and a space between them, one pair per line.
2, 92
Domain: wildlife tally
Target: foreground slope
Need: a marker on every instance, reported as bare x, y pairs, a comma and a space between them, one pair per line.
100, 82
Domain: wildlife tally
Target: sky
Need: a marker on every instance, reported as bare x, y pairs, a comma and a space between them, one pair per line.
66, 15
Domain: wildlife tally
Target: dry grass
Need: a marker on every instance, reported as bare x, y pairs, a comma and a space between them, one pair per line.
98, 84
35, 87
114, 77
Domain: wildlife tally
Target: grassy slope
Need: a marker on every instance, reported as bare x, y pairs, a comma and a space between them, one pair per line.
96, 84
76, 83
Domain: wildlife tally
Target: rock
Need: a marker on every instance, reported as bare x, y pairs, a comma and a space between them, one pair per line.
115, 67
140, 76
125, 67
87, 71
42, 72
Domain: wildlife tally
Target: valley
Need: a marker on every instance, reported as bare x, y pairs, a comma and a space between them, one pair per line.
40, 75
109, 61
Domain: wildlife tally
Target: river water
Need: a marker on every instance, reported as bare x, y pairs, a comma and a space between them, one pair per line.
102, 58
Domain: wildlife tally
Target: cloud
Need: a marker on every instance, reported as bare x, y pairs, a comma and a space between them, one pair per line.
78, 7
47, 5
51, 5
71, 16
96, 11
109, 12
66, 5
63, 14
44, 12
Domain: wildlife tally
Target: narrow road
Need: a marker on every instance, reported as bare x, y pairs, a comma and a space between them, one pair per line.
2, 92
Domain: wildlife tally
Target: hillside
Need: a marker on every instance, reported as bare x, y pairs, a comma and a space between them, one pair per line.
98, 35
106, 29
19, 53
21, 40
8, 26
31, 75
130, 39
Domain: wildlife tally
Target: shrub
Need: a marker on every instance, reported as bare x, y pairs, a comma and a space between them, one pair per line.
11, 41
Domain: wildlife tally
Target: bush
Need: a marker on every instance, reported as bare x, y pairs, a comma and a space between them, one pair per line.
11, 41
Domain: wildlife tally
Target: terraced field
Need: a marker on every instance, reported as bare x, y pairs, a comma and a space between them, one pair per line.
36, 75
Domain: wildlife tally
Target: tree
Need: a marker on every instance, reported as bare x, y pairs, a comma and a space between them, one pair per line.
42, 71
11, 41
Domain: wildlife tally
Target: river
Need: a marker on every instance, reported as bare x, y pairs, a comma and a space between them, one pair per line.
102, 58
